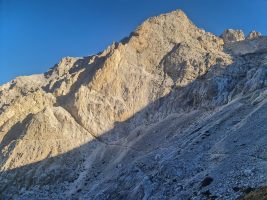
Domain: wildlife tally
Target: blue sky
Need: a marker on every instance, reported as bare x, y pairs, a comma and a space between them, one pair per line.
35, 34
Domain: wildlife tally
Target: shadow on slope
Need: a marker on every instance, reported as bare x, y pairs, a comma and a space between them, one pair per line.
99, 156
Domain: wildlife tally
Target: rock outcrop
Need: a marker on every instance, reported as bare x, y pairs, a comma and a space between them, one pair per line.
231, 35
170, 112
253, 35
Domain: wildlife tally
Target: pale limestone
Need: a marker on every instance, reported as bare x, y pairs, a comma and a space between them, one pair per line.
148, 118
253, 35
231, 35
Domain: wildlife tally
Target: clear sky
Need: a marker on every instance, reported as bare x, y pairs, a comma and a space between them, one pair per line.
35, 34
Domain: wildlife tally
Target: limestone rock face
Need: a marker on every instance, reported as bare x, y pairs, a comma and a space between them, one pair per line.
253, 35
170, 112
231, 35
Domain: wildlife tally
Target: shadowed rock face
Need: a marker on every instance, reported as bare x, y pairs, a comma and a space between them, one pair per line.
259, 194
170, 112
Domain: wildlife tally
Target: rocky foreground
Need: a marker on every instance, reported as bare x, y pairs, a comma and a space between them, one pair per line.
170, 112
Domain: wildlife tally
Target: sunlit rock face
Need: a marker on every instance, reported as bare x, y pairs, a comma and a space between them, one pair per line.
253, 35
170, 112
231, 35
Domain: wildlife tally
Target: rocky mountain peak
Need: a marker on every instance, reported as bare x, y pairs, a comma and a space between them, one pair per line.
231, 35
253, 35
170, 111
